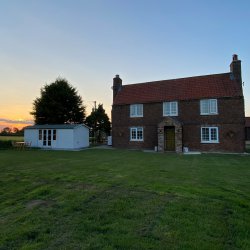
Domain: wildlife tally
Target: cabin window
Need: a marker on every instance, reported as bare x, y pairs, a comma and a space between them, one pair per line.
209, 135
54, 134
40, 135
49, 137
136, 110
208, 107
136, 134
44, 137
170, 109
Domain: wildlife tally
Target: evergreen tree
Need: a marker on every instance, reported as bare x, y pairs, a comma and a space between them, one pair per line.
59, 103
99, 123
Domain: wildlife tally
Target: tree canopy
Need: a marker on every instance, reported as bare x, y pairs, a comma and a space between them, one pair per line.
59, 103
99, 122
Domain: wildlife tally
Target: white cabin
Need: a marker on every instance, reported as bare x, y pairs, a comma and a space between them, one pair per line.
61, 136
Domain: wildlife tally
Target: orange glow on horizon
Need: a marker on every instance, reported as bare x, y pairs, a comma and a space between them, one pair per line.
13, 125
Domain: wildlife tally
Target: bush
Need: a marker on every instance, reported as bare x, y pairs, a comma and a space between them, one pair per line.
5, 144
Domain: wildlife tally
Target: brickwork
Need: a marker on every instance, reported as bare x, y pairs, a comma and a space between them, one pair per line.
230, 121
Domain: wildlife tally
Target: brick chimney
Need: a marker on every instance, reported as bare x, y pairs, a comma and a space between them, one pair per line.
235, 68
117, 85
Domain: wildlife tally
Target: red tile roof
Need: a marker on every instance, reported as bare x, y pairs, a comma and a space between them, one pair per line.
247, 122
208, 86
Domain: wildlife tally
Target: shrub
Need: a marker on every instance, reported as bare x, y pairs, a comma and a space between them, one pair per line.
5, 144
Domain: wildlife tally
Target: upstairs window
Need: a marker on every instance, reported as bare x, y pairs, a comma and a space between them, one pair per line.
209, 135
170, 109
136, 134
208, 107
136, 110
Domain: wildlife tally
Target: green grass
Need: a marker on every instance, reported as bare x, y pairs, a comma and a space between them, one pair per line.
11, 138
112, 199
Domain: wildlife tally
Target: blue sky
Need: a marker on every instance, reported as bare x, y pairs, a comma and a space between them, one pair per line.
89, 42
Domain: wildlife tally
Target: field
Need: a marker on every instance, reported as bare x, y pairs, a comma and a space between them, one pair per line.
114, 199
11, 138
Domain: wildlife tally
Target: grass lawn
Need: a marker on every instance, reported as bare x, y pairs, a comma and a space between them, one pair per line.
114, 199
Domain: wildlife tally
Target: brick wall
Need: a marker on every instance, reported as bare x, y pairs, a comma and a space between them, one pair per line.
230, 121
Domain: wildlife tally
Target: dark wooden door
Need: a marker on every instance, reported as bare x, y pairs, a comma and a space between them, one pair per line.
170, 138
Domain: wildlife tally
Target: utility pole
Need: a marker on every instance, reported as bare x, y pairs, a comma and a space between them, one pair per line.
95, 136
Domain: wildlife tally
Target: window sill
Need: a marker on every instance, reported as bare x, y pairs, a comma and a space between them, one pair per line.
169, 115
210, 142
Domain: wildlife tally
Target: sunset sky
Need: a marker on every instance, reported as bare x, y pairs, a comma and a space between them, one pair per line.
88, 42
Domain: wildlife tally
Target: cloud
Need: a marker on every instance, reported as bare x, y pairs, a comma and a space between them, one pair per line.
16, 121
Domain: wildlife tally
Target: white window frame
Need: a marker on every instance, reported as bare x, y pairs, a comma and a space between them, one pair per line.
170, 108
210, 140
210, 103
136, 110
137, 130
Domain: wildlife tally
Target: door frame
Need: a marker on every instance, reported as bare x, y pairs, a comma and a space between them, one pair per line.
170, 122
46, 138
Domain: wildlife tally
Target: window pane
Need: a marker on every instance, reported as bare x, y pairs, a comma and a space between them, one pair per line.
133, 133
173, 108
139, 110
44, 137
40, 134
214, 136
139, 134
54, 135
213, 106
204, 106
49, 134
205, 134
132, 110
166, 109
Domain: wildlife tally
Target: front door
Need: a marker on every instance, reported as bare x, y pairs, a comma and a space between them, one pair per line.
170, 138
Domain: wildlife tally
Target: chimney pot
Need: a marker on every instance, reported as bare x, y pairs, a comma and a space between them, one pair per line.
235, 57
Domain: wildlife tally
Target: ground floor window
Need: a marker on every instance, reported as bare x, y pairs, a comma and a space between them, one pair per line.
209, 135
136, 134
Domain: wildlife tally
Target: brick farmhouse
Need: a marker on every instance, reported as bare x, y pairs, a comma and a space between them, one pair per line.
200, 113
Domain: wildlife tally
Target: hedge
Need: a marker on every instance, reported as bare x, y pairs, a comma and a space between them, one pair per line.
5, 144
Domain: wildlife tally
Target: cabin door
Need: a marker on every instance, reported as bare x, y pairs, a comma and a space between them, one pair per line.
170, 138
47, 138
